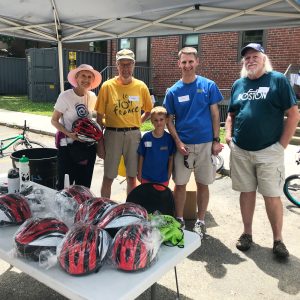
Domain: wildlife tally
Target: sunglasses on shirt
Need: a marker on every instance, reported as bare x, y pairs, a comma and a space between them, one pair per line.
186, 163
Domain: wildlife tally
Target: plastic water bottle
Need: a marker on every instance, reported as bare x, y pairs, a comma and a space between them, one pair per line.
13, 181
66, 181
24, 172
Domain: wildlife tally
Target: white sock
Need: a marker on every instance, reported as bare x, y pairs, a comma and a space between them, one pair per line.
180, 218
201, 221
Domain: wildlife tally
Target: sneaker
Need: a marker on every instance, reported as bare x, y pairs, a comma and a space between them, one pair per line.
200, 229
182, 223
244, 242
280, 250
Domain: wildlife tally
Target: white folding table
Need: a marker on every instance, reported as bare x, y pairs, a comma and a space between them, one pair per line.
109, 283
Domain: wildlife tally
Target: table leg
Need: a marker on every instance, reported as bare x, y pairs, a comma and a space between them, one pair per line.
153, 291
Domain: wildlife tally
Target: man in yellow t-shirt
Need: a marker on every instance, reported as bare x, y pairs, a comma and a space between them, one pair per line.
124, 103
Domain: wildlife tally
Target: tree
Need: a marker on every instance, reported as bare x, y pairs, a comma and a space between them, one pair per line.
7, 39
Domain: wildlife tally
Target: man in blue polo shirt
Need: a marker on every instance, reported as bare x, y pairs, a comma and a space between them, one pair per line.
257, 136
192, 102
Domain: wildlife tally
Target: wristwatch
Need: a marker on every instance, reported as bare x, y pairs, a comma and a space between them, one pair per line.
216, 139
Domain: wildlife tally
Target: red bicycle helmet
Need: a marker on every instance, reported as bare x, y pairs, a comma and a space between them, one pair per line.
69, 198
14, 209
37, 234
84, 249
93, 209
122, 215
134, 247
87, 130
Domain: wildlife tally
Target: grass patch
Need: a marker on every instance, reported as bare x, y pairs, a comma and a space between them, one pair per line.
23, 104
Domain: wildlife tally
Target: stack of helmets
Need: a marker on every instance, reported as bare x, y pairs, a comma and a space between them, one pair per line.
39, 234
92, 210
135, 247
87, 130
122, 215
83, 249
14, 209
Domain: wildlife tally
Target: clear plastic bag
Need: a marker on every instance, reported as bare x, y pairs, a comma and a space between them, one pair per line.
92, 210
169, 228
39, 234
84, 249
68, 200
122, 215
14, 209
135, 247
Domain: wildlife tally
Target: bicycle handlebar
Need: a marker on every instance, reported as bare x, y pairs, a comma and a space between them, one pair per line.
25, 128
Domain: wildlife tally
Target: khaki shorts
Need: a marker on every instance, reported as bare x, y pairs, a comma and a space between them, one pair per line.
118, 143
200, 161
261, 170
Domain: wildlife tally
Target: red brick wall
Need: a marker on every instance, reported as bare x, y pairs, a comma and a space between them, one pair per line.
283, 47
219, 57
164, 52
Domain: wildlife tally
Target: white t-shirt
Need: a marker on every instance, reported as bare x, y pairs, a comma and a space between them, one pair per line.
74, 107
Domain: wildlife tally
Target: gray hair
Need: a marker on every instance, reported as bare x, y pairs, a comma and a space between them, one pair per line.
267, 66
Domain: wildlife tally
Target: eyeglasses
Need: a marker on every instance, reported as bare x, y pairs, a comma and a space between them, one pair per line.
128, 65
186, 163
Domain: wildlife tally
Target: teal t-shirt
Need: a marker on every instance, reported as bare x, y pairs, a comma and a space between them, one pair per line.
259, 107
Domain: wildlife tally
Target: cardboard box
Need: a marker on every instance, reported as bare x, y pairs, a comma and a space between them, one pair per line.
190, 208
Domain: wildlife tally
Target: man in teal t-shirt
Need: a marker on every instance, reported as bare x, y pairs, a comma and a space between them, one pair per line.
257, 135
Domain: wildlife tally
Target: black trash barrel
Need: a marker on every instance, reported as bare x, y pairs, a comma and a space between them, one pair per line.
42, 164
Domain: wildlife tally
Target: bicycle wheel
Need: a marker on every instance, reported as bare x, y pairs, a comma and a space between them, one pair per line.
28, 144
291, 189
219, 163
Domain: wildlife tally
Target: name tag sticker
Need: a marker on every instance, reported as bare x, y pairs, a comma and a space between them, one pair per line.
134, 98
148, 144
263, 89
184, 98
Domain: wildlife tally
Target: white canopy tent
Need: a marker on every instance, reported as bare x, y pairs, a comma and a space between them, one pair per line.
64, 21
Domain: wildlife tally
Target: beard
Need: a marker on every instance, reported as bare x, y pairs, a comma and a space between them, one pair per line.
254, 72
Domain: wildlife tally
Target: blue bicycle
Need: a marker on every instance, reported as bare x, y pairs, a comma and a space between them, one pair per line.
291, 186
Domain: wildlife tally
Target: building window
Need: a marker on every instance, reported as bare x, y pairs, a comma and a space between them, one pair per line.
141, 50
126, 44
98, 46
190, 40
139, 46
251, 36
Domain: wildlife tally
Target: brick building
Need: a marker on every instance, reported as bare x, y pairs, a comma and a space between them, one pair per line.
218, 53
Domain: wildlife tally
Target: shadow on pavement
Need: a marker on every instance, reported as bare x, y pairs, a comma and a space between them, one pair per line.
287, 272
162, 293
294, 209
216, 255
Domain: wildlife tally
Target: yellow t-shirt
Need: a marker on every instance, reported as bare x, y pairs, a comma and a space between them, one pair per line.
122, 105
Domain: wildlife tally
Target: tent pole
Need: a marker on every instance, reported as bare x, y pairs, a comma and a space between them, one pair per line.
60, 65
